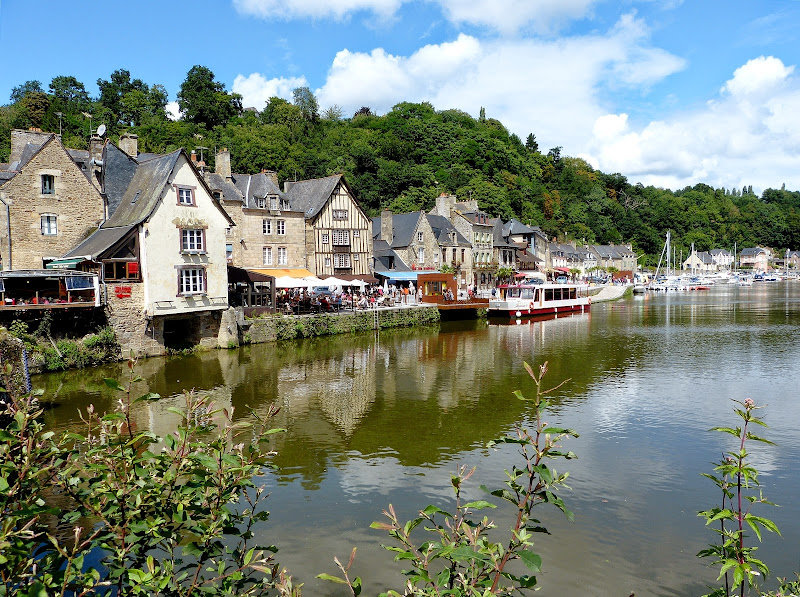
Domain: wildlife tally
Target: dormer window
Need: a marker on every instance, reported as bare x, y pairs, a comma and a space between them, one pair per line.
48, 184
273, 203
261, 202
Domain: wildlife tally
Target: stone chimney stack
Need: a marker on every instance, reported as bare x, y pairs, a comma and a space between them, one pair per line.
287, 184
273, 176
387, 230
96, 149
222, 164
445, 204
129, 143
193, 157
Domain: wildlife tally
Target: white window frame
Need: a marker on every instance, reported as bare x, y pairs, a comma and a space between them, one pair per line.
185, 196
191, 281
280, 227
261, 202
48, 189
420, 237
341, 238
48, 225
341, 260
327, 262
325, 237
421, 254
266, 255
266, 226
356, 233
193, 240
283, 256
340, 214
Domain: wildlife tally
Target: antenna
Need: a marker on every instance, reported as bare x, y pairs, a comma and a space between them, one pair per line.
101, 130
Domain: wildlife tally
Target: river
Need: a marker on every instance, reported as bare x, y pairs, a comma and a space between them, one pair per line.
387, 418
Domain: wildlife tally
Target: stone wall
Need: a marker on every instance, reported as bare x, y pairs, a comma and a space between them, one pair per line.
134, 331
282, 327
76, 205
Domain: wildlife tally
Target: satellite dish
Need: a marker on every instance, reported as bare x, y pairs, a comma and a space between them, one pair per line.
101, 130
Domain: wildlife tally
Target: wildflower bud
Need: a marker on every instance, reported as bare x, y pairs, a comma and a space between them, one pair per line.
749, 404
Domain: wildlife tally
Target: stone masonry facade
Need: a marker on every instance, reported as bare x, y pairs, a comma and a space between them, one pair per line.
46, 225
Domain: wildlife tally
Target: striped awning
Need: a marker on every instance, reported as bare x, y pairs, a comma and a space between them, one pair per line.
279, 273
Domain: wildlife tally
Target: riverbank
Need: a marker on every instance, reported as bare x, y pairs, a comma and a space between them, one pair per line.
611, 293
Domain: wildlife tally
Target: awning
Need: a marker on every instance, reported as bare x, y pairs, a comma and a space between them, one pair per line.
399, 276
279, 273
366, 278
562, 269
65, 263
237, 274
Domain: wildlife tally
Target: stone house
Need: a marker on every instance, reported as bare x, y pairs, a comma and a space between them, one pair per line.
456, 250
722, 259
793, 259
700, 262
532, 244
755, 258
268, 234
338, 234
621, 257
503, 250
161, 253
48, 202
410, 237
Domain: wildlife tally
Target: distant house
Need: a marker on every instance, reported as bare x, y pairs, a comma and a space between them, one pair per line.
161, 253
755, 258
338, 232
410, 237
702, 262
268, 234
621, 257
456, 249
48, 202
504, 251
793, 259
529, 240
722, 259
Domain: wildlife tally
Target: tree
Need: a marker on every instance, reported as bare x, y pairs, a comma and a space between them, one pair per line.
531, 143
70, 92
35, 104
334, 113
20, 91
203, 100
113, 91
363, 111
305, 100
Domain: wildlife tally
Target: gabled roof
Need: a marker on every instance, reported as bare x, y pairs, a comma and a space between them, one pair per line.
257, 186
382, 254
513, 227
442, 230
753, 251
310, 196
498, 238
721, 252
403, 227
228, 189
32, 149
117, 173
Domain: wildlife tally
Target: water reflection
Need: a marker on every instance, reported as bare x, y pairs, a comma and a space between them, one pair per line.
374, 419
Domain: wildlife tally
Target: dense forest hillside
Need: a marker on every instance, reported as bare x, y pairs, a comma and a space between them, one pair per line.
404, 159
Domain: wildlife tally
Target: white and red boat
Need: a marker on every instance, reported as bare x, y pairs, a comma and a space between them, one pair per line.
530, 300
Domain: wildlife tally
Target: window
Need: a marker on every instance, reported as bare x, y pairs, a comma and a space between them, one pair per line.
327, 262
193, 240
266, 226
282, 256
191, 280
324, 238
339, 214
342, 260
463, 254
49, 225
267, 256
356, 257
273, 202
185, 195
356, 233
229, 252
229, 231
217, 195
421, 255
280, 226
284, 205
419, 237
48, 184
341, 238
261, 202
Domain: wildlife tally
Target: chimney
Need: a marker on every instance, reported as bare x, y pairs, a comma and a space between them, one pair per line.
222, 164
193, 156
129, 143
445, 204
20, 138
287, 184
96, 149
387, 231
273, 176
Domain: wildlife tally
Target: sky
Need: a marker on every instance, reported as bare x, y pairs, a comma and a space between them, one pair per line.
667, 92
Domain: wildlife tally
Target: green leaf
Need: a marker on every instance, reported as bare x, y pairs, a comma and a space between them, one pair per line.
431, 510
532, 560
479, 505
114, 384
332, 578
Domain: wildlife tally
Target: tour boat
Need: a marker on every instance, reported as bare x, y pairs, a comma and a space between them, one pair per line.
530, 300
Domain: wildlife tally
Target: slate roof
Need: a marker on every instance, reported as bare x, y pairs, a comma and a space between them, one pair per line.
499, 239
226, 187
381, 251
442, 228
705, 257
752, 251
403, 227
117, 173
310, 196
253, 186
516, 227
99, 242
723, 252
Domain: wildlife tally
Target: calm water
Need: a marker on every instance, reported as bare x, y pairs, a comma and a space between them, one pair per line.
379, 419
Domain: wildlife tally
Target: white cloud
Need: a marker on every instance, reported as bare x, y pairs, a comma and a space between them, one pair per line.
758, 76
744, 137
257, 89
550, 88
173, 111
315, 9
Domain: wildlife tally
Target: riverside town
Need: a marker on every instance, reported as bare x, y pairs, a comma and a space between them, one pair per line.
279, 350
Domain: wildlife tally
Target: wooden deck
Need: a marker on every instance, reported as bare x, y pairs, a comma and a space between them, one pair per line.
445, 305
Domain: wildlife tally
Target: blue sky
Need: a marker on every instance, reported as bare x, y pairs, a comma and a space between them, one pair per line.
666, 92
